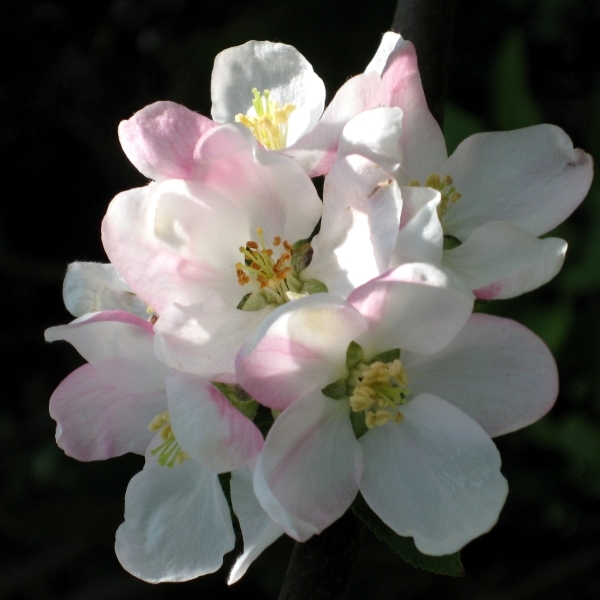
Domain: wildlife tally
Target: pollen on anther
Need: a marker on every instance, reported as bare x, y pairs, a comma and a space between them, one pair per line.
276, 240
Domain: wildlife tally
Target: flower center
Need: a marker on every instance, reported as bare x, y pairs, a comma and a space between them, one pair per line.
270, 125
444, 185
379, 388
276, 278
169, 452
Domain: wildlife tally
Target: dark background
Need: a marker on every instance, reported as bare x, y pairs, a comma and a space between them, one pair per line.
72, 70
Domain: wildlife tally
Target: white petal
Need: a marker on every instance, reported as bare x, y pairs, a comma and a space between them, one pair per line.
421, 237
532, 177
258, 530
265, 65
389, 42
93, 287
299, 347
422, 144
434, 477
415, 307
205, 337
495, 370
209, 428
310, 467
361, 216
374, 134
316, 150
96, 420
177, 523
501, 260
118, 344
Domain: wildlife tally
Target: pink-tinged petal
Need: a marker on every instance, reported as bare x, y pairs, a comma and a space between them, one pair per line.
119, 344
93, 287
495, 370
415, 307
267, 185
361, 215
209, 428
204, 338
177, 523
179, 240
434, 477
374, 134
389, 42
167, 241
299, 347
532, 177
279, 68
310, 468
316, 150
160, 139
259, 531
501, 260
422, 144
96, 420
421, 237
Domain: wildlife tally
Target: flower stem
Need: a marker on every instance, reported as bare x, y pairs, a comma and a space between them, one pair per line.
320, 569
429, 24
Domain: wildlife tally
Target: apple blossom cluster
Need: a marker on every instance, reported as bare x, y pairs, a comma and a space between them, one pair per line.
307, 349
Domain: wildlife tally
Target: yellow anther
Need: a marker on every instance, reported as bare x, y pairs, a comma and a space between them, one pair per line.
169, 452
270, 125
444, 186
379, 384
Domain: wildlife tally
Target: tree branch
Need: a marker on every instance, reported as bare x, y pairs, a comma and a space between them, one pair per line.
429, 24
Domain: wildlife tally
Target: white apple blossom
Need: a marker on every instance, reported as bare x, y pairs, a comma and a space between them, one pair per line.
493, 197
396, 366
177, 522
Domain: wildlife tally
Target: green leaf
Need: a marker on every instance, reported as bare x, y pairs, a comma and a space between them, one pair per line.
388, 356
302, 253
404, 546
238, 397
513, 104
336, 390
354, 356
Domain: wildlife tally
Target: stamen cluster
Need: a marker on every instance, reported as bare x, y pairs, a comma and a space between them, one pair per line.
444, 185
380, 389
270, 125
169, 452
276, 277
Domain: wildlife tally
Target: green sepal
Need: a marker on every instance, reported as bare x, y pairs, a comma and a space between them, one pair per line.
238, 397
336, 390
354, 356
389, 356
451, 242
302, 254
313, 286
253, 302
448, 564
359, 424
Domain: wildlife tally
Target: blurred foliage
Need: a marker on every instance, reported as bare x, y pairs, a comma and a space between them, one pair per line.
73, 70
